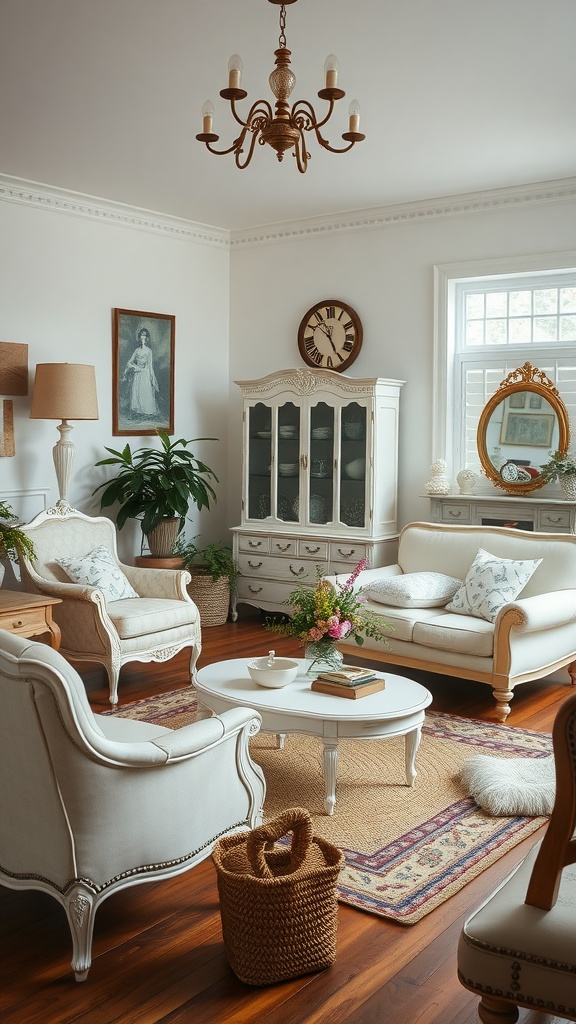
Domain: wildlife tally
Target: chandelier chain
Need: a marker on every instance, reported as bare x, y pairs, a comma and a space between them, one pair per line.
282, 39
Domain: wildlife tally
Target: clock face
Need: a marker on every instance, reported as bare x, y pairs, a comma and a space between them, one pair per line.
509, 472
330, 335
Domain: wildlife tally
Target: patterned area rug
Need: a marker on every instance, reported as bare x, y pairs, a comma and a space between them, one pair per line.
407, 849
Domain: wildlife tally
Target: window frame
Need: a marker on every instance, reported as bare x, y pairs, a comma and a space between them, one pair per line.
447, 397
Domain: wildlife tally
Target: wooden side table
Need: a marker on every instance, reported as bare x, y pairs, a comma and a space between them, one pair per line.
153, 562
29, 615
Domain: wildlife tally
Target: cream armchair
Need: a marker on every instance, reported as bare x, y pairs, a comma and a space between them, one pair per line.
90, 804
519, 947
153, 626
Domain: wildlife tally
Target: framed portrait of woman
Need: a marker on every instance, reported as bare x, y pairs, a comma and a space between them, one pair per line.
142, 372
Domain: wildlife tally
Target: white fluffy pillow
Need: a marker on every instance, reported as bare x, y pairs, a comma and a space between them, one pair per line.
99, 569
490, 583
510, 785
413, 590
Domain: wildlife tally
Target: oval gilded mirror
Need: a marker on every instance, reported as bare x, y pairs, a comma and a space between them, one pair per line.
520, 425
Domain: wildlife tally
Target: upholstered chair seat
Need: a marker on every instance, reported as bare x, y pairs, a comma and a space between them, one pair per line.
519, 947
113, 613
91, 804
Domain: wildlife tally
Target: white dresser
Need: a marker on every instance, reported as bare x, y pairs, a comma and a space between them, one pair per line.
543, 515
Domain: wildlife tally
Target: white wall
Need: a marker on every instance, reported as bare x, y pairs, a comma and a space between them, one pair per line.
60, 277
386, 274
237, 317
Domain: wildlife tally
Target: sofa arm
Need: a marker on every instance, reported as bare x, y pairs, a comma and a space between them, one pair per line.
542, 611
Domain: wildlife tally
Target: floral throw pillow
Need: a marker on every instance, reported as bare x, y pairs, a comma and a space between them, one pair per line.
413, 590
490, 583
99, 569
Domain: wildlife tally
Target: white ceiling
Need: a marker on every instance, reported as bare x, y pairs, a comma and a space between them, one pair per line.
104, 97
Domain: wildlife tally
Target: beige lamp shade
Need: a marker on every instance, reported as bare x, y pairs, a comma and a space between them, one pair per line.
64, 391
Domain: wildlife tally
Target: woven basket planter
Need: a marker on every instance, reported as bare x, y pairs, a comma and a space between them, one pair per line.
212, 598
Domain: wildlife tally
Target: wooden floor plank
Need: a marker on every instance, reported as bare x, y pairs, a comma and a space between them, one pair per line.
158, 952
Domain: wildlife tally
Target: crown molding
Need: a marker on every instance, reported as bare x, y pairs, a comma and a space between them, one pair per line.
59, 200
76, 204
406, 213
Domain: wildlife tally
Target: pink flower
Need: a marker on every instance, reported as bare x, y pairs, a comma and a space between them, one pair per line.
362, 564
340, 629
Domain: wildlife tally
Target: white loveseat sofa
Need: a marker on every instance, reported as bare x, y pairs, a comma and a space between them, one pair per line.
530, 637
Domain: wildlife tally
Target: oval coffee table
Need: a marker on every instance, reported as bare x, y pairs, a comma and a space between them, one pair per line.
397, 710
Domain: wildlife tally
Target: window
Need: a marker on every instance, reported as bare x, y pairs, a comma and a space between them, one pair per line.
489, 324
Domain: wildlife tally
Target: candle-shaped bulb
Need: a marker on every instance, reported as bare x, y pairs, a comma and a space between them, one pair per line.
207, 117
234, 71
354, 116
331, 71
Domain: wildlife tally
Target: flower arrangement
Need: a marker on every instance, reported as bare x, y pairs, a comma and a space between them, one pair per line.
324, 614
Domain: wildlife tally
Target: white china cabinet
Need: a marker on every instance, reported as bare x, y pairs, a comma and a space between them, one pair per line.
319, 480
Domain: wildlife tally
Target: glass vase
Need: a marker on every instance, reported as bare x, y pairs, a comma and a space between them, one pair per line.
322, 656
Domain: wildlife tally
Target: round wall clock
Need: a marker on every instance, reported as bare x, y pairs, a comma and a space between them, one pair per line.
330, 335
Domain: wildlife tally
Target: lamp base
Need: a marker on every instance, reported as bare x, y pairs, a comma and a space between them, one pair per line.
63, 454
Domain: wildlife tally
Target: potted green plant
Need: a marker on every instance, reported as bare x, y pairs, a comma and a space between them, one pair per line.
156, 485
561, 466
12, 540
214, 573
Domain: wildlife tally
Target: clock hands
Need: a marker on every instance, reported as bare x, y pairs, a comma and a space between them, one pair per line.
327, 330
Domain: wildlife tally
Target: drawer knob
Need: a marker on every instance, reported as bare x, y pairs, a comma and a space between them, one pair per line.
283, 547
553, 519
346, 554
254, 543
255, 565
456, 514
17, 623
312, 551
255, 590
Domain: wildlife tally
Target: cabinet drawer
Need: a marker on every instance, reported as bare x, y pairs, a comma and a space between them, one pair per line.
553, 520
283, 545
268, 568
256, 542
312, 548
265, 591
24, 623
348, 554
455, 513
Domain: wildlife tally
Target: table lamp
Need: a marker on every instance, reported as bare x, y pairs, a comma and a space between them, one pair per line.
64, 391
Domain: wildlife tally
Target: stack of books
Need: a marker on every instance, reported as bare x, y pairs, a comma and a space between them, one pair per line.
349, 681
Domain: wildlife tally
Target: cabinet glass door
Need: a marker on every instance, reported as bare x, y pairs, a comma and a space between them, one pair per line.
353, 465
287, 482
259, 461
321, 464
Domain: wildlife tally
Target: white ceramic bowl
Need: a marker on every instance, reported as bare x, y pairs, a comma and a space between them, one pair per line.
280, 673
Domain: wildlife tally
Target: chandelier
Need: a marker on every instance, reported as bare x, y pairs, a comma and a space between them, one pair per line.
282, 128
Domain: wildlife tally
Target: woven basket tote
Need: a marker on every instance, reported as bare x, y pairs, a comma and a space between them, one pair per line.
278, 906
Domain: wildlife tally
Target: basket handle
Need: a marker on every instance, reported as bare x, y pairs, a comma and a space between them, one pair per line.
296, 820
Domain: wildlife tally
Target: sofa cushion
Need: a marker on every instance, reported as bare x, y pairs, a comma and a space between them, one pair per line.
402, 620
99, 569
413, 590
490, 583
150, 615
455, 633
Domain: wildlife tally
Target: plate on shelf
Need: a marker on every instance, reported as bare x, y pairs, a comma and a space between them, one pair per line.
322, 432
288, 469
288, 431
263, 433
